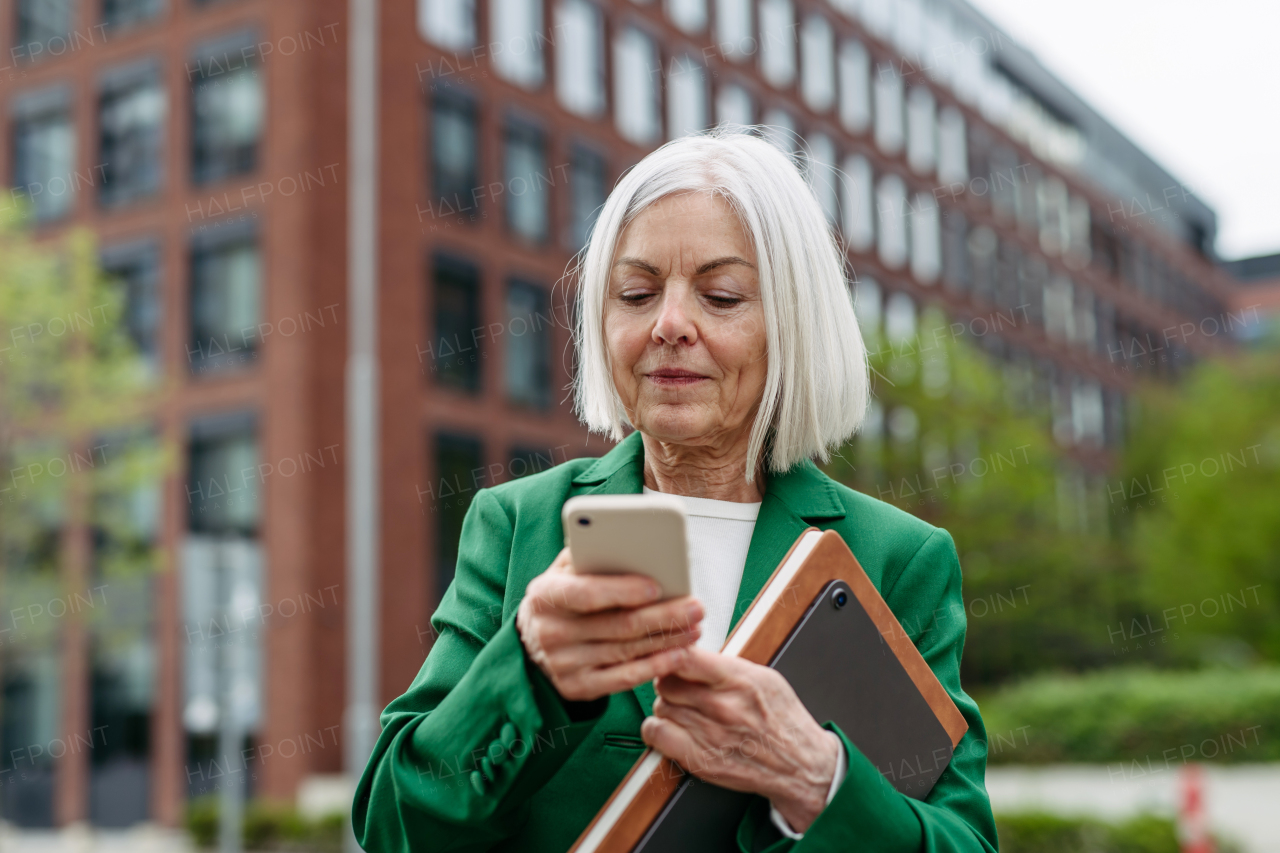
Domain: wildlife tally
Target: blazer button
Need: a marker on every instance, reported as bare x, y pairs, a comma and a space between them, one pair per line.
477, 782
497, 752
508, 735
486, 768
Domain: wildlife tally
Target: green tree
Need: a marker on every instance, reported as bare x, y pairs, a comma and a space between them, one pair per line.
1200, 489
74, 402
965, 444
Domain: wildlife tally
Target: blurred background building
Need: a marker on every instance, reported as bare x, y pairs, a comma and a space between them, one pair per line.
204, 141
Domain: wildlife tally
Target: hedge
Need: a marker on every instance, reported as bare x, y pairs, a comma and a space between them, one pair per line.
1036, 832
267, 826
1158, 719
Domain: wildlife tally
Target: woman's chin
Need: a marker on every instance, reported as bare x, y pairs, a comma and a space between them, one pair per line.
678, 427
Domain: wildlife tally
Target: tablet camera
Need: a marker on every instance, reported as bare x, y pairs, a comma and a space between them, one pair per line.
584, 521
840, 598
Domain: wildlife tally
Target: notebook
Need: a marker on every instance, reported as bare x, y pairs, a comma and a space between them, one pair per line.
849, 663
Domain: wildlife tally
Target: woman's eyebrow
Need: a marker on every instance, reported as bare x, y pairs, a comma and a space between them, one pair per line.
703, 268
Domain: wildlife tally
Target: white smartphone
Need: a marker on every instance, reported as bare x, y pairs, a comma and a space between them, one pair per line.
641, 534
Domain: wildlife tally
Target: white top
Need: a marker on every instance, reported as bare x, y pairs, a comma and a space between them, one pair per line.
719, 534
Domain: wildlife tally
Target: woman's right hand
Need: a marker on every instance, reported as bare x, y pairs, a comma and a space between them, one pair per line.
594, 634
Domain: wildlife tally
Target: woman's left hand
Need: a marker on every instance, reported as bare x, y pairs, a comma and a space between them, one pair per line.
741, 726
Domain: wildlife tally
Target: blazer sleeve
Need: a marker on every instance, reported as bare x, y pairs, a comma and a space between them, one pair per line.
956, 816
480, 729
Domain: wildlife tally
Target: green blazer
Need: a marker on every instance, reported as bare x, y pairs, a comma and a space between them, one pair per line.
482, 754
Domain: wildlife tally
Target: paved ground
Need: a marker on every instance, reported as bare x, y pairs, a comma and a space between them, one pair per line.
1243, 801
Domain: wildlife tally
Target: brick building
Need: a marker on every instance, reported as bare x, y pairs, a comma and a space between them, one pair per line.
205, 142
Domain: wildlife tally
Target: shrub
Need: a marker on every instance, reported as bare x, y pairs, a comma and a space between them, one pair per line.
1159, 719
268, 826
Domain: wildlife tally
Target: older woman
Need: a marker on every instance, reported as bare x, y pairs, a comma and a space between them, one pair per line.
715, 321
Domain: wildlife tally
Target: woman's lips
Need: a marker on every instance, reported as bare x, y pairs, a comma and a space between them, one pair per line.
675, 378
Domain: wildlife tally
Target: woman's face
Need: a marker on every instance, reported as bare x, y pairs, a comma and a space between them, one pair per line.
683, 322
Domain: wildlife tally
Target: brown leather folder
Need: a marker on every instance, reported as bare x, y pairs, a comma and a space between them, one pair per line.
820, 622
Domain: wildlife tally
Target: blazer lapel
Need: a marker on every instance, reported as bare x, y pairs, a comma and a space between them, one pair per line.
791, 501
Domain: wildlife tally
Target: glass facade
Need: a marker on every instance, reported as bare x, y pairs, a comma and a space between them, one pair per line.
455, 356
226, 298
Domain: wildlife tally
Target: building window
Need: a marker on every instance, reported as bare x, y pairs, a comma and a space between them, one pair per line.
529, 325
817, 63
525, 168
857, 203
888, 103
891, 203
455, 356
131, 114
580, 61
926, 239
686, 98
516, 29
223, 491
459, 472
588, 188
780, 131
635, 88
124, 13
455, 153
921, 131
777, 42
855, 86
733, 105
136, 268
735, 34
953, 156
822, 174
226, 298
227, 111
43, 27
44, 152
222, 587
125, 524
688, 15
450, 24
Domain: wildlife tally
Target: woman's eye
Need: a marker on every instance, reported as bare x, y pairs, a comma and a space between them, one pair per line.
634, 298
724, 301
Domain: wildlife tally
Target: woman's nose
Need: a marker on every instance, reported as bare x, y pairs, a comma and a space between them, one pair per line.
675, 322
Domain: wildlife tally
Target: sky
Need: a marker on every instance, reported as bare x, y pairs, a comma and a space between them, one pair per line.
1195, 84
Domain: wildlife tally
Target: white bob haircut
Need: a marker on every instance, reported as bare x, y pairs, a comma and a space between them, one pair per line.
816, 385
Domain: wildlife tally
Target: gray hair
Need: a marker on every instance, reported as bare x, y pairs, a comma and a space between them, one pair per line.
816, 384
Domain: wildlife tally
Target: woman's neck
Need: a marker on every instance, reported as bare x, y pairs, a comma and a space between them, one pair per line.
700, 472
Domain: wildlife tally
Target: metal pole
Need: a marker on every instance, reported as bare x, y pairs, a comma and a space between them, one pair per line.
360, 725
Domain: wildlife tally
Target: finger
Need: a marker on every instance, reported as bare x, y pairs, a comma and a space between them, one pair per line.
625, 676
674, 741
677, 616
601, 655
682, 691
708, 667
598, 592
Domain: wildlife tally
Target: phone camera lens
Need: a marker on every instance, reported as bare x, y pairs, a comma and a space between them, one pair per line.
840, 598
584, 521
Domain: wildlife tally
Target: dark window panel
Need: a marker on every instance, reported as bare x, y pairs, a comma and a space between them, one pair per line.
528, 335
223, 490
136, 267
588, 188
459, 475
455, 154
226, 299
527, 182
454, 355
131, 113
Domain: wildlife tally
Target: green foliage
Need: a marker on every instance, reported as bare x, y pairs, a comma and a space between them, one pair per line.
1148, 720
1200, 491
1035, 832
267, 826
73, 393
1040, 589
